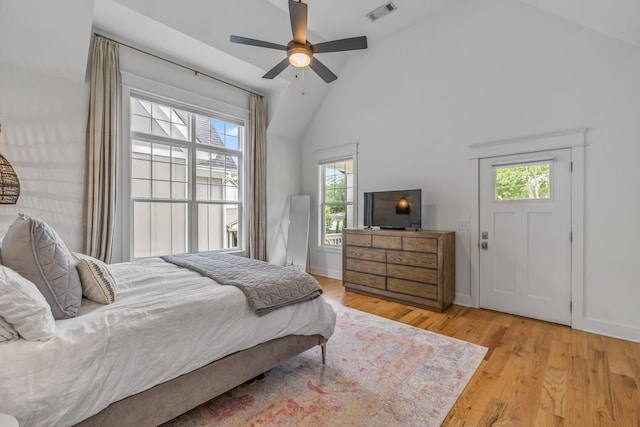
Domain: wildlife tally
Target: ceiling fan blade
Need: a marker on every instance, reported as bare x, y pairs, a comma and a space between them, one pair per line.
254, 42
277, 69
353, 43
322, 70
298, 15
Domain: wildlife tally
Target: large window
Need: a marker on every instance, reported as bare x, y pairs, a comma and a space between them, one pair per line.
336, 195
185, 180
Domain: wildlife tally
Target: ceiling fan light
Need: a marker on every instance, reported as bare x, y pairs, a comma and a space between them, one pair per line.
299, 57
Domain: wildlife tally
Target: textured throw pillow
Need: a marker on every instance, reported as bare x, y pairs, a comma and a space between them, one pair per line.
24, 308
98, 284
7, 332
34, 249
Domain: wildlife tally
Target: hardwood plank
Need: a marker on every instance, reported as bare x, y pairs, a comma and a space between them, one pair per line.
554, 391
535, 373
555, 382
577, 409
495, 414
627, 400
548, 420
600, 394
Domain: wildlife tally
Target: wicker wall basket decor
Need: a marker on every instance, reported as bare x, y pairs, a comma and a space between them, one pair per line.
9, 183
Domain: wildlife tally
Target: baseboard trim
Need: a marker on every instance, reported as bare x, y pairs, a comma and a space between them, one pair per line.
611, 329
464, 300
334, 274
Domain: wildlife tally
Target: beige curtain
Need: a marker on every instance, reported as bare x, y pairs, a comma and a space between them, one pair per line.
99, 194
258, 153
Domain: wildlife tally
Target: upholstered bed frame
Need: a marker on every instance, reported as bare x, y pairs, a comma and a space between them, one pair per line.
168, 400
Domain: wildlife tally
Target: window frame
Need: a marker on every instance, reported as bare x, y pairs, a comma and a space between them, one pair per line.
210, 108
322, 158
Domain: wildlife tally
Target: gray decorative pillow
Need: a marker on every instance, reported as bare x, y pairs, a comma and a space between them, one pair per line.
33, 249
98, 284
24, 308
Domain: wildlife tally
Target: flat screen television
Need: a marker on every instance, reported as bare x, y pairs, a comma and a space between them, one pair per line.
400, 209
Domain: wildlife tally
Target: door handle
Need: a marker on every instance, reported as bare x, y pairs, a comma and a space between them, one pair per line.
484, 245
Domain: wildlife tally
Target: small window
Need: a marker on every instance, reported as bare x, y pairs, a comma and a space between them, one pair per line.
337, 194
337, 200
523, 182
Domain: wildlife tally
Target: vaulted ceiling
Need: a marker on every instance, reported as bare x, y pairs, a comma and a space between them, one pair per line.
196, 32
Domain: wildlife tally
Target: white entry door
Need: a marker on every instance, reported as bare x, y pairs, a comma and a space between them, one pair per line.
525, 235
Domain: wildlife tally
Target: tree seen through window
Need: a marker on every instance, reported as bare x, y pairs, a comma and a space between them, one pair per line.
525, 182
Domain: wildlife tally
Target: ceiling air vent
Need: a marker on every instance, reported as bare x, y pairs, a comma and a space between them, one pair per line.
383, 10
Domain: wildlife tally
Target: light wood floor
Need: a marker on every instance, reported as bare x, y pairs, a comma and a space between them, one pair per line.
534, 374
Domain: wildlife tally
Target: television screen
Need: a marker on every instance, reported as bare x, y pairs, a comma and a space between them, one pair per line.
393, 209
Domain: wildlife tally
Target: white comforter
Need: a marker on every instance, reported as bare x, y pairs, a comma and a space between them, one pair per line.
166, 322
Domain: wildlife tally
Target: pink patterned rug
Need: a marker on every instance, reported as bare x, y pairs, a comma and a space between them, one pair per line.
378, 373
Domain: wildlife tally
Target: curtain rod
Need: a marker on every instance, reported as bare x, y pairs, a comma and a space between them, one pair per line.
196, 72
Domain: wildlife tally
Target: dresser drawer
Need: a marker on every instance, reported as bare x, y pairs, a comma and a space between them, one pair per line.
366, 254
421, 259
358, 239
366, 266
420, 244
365, 279
417, 289
387, 242
416, 274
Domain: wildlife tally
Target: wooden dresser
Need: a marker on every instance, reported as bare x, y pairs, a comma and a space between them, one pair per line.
412, 267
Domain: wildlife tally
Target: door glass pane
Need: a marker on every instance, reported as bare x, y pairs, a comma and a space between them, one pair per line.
523, 182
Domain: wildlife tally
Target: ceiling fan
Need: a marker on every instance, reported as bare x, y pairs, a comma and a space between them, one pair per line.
299, 50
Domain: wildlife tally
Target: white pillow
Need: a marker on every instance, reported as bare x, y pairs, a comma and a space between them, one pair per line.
7, 332
23, 306
98, 284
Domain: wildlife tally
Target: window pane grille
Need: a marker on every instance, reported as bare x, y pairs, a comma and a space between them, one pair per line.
159, 171
215, 132
158, 119
216, 176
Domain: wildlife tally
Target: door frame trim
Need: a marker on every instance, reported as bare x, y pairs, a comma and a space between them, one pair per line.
572, 139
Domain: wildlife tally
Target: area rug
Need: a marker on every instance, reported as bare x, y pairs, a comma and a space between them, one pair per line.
378, 373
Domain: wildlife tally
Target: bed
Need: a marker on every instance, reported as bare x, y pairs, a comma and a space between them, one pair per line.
172, 340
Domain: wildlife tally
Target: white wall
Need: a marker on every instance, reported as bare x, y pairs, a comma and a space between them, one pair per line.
43, 109
44, 118
489, 70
